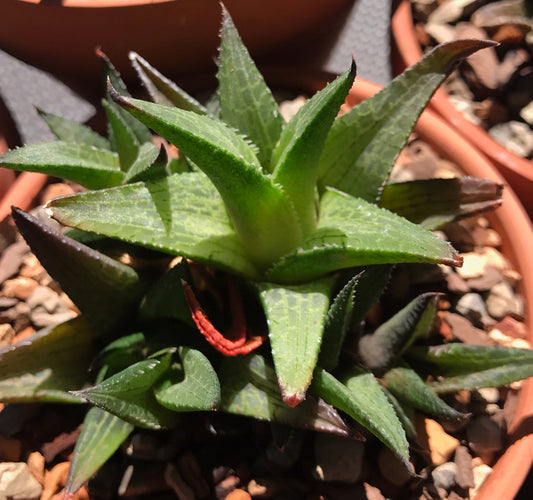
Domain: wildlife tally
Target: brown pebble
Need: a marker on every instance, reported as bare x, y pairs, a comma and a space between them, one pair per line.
54, 190
54, 480
238, 494
20, 288
441, 445
464, 477
6, 334
36, 465
25, 333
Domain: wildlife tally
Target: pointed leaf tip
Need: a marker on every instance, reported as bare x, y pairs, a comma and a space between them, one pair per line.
292, 400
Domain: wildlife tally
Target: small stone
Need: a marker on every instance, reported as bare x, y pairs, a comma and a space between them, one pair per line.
372, 493
480, 69
17, 482
263, 488
20, 288
464, 331
502, 301
32, 268
226, 485
441, 444
189, 468
35, 463
449, 12
148, 478
465, 475
54, 190
11, 259
6, 336
481, 473
473, 265
238, 494
337, 458
392, 469
489, 394
484, 435
444, 475
455, 283
515, 136
487, 280
472, 307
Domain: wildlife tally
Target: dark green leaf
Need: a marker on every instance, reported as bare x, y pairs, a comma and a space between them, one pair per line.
111, 74
473, 366
435, 202
129, 395
245, 100
161, 89
249, 387
296, 317
100, 437
48, 364
92, 168
408, 387
360, 395
193, 386
166, 298
363, 144
338, 320
81, 271
379, 349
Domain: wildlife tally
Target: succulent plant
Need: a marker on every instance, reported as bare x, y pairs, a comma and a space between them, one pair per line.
237, 276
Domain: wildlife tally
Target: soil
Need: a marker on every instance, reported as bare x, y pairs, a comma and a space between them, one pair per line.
493, 88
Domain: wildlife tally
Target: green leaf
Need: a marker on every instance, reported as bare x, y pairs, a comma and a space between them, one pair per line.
48, 364
161, 89
92, 168
471, 367
120, 353
296, 316
101, 435
124, 139
149, 165
338, 320
435, 202
181, 215
352, 232
257, 206
363, 144
405, 413
246, 102
379, 349
249, 387
129, 395
360, 395
81, 271
74, 132
193, 386
295, 159
405, 384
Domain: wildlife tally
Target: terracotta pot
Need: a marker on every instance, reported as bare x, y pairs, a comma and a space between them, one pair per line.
176, 36
517, 171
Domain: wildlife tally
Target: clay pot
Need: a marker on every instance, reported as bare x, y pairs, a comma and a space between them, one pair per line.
176, 36
516, 171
